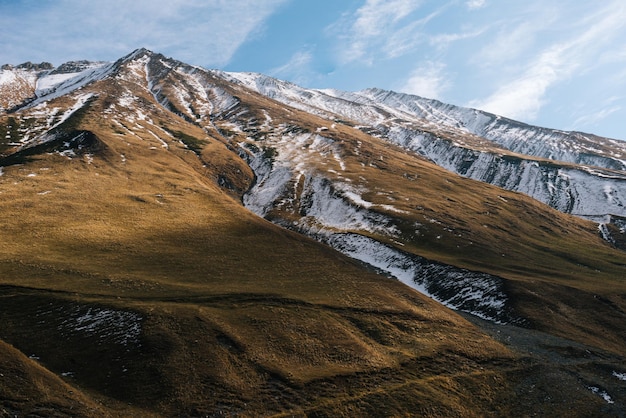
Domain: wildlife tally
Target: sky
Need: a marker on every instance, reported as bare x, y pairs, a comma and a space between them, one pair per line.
554, 63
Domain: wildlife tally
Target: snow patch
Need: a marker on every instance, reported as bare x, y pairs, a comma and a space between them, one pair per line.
336, 213
163, 143
602, 393
106, 325
476, 293
323, 208
56, 89
81, 99
620, 376
606, 234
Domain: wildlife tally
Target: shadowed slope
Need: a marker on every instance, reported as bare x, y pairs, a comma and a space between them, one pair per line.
132, 269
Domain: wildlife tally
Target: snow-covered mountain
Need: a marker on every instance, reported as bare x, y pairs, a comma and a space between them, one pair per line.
576, 173
136, 194
315, 165
29, 84
573, 172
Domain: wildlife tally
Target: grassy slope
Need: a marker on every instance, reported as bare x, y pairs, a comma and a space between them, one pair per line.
547, 256
236, 314
233, 308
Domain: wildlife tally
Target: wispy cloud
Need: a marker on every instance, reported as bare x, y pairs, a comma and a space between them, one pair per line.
297, 69
591, 120
476, 4
511, 40
523, 97
377, 15
443, 40
406, 38
428, 80
114, 27
379, 26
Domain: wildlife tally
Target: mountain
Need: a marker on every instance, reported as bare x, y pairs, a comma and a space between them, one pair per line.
140, 274
573, 172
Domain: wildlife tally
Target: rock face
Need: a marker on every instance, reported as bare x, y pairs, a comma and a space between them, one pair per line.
573, 172
71, 67
581, 190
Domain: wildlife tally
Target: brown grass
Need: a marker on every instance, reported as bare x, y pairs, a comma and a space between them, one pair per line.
241, 317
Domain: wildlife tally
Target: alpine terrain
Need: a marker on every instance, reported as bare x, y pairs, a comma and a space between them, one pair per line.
179, 241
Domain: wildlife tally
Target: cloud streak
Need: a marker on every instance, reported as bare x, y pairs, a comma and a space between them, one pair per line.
525, 95
379, 26
443, 40
115, 27
429, 80
297, 69
592, 119
476, 4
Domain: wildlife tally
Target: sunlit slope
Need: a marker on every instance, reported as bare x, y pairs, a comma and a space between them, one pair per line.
126, 253
130, 268
439, 214
556, 266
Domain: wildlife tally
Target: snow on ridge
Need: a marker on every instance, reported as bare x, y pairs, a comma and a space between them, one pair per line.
47, 83
70, 84
602, 393
81, 99
571, 190
512, 135
479, 294
581, 191
10, 76
104, 325
56, 120
335, 213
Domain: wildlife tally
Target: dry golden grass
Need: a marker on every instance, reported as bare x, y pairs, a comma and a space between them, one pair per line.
230, 301
239, 316
544, 254
27, 386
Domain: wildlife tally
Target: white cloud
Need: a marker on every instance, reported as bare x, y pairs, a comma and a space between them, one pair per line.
200, 32
523, 96
476, 4
443, 40
376, 15
297, 69
405, 39
593, 119
377, 22
511, 41
429, 80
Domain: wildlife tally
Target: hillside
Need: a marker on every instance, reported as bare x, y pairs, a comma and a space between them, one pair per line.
137, 277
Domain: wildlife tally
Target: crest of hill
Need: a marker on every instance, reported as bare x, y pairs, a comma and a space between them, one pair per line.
134, 250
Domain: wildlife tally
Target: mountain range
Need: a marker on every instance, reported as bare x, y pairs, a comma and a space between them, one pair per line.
184, 241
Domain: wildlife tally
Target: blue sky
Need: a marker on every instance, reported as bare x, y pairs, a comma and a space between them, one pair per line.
554, 63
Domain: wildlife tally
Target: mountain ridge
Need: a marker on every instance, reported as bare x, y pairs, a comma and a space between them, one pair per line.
570, 180
206, 308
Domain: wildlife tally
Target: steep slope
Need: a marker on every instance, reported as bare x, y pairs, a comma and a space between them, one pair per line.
573, 172
328, 179
18, 83
125, 243
572, 147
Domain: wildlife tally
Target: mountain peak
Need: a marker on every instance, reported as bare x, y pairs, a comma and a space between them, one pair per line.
76, 66
161, 272
138, 53
29, 66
